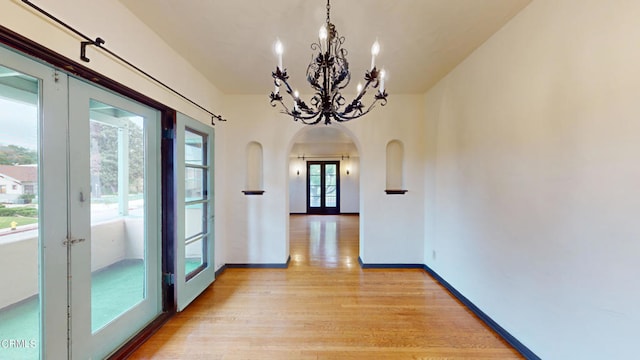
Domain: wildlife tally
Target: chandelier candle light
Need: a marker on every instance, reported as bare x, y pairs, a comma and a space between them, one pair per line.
328, 74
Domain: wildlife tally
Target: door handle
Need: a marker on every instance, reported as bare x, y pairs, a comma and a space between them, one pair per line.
72, 241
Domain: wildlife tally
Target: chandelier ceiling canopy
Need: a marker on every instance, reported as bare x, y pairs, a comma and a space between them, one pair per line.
328, 74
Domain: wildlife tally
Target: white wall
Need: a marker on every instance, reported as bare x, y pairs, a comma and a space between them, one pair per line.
108, 243
391, 228
131, 39
350, 185
19, 269
532, 179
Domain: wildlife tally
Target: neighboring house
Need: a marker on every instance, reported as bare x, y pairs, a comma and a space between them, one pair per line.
17, 180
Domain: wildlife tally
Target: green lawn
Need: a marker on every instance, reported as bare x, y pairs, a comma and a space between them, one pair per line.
5, 221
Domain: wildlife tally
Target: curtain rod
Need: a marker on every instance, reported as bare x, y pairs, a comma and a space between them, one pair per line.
342, 157
98, 42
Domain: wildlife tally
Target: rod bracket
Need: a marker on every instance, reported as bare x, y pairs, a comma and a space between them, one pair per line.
83, 48
219, 117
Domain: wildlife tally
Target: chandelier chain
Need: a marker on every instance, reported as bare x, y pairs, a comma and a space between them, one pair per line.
328, 12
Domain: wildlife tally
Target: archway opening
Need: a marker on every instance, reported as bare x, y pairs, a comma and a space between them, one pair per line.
324, 178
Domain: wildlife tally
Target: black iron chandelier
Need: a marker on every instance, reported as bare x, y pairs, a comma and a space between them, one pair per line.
328, 74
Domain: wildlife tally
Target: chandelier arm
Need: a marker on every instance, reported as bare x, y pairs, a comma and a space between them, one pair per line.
341, 117
298, 102
287, 86
304, 119
317, 120
311, 111
364, 89
379, 97
297, 115
356, 104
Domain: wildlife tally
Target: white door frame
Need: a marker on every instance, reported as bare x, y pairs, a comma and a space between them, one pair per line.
187, 291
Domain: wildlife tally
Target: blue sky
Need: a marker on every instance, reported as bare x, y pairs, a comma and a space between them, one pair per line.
18, 124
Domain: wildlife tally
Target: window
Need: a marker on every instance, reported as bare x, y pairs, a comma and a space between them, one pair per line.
3, 189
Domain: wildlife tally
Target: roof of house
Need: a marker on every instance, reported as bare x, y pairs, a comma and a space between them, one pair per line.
20, 173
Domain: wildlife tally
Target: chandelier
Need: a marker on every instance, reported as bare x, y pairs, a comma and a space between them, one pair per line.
328, 74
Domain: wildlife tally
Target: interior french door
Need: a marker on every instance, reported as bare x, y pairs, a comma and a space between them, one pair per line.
323, 187
114, 243
194, 246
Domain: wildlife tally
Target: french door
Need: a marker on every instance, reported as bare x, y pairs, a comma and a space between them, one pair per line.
194, 246
80, 252
323, 187
113, 219
33, 212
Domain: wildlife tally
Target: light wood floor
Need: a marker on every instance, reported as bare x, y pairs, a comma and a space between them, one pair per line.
325, 307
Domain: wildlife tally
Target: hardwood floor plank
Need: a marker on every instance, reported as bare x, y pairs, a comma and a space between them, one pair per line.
324, 306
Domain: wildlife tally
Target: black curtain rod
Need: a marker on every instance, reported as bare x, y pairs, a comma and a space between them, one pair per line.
342, 157
98, 42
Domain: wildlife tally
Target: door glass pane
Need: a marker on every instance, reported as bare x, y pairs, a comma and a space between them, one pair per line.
330, 185
117, 156
20, 301
193, 224
194, 184
315, 185
196, 217
193, 254
194, 148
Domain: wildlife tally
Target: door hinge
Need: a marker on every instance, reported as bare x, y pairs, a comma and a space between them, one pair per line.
68, 241
169, 279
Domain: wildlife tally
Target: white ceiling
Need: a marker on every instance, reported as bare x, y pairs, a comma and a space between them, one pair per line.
231, 42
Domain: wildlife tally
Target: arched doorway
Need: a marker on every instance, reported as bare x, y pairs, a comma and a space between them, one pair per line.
313, 151
324, 171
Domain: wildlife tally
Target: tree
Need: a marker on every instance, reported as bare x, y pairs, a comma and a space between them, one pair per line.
17, 155
104, 158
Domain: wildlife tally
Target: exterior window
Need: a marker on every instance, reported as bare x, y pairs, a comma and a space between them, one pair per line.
14, 187
3, 189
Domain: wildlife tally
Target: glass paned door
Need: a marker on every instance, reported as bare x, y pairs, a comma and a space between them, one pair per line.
19, 215
115, 287
323, 187
32, 185
194, 248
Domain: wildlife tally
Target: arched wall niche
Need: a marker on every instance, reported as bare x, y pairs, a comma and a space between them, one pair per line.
395, 168
254, 172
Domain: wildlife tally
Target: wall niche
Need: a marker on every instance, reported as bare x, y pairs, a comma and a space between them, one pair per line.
395, 168
254, 172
